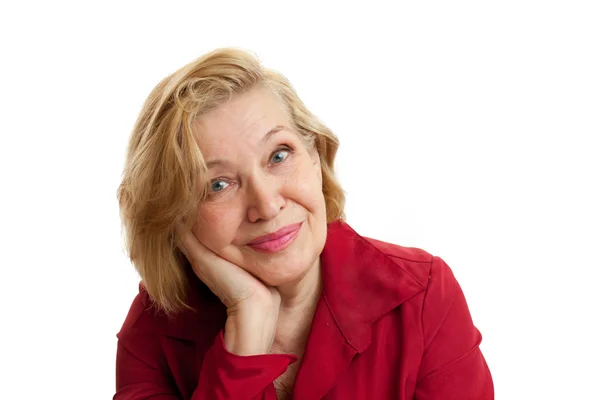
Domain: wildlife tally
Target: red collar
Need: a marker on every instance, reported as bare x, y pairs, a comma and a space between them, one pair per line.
362, 282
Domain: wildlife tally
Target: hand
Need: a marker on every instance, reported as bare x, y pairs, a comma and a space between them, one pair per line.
252, 307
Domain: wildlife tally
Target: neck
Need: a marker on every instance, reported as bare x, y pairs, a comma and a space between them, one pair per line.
298, 303
302, 294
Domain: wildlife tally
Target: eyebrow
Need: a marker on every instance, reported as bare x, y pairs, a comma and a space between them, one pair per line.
264, 140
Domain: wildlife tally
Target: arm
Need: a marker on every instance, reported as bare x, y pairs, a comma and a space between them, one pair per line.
142, 373
452, 366
238, 364
138, 375
225, 375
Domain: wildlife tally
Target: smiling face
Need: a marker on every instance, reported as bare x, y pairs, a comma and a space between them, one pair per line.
262, 178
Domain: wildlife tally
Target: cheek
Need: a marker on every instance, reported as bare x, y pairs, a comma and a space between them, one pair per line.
305, 186
216, 226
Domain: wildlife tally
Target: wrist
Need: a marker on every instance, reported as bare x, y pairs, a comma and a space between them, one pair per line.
248, 336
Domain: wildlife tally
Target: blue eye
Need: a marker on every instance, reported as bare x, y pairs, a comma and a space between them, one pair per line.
279, 156
217, 186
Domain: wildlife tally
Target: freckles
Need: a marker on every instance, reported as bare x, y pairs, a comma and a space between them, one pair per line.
304, 187
211, 213
305, 177
295, 178
215, 227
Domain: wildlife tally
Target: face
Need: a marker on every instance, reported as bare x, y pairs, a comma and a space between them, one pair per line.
262, 179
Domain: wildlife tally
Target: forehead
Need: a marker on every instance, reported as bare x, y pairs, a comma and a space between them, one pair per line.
245, 119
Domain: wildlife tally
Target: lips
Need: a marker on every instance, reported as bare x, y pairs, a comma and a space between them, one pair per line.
276, 241
276, 235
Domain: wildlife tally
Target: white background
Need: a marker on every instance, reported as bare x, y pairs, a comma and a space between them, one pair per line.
469, 129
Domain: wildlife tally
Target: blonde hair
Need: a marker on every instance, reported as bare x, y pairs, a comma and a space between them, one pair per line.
162, 180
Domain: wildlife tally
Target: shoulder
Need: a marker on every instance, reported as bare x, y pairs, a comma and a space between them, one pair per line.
430, 271
441, 290
142, 315
344, 245
145, 318
417, 262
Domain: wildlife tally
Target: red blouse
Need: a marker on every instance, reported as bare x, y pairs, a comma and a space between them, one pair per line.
391, 323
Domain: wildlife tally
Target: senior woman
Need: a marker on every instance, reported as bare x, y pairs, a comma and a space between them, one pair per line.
253, 286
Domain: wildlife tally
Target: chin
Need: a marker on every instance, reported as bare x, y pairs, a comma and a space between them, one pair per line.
286, 274
291, 264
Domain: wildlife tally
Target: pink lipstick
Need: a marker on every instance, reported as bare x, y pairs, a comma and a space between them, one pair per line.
276, 241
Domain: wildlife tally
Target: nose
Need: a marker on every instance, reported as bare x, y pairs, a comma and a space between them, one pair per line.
265, 200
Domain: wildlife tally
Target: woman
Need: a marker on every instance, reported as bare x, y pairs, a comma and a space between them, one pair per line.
253, 286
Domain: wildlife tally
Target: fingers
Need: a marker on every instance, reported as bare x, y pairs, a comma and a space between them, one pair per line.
187, 242
209, 267
228, 281
201, 259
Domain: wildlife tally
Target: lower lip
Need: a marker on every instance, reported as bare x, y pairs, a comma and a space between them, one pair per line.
276, 245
